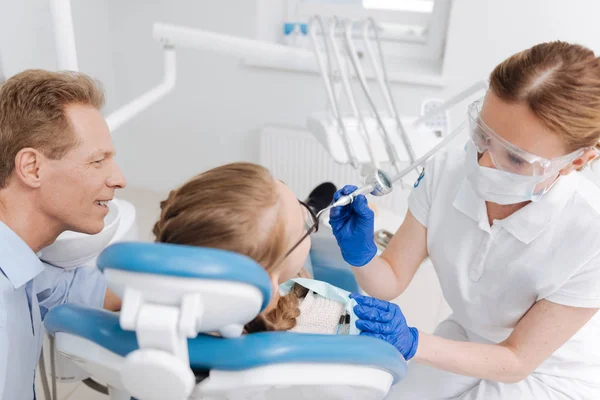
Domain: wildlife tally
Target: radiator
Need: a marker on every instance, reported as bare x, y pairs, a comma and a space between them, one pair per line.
295, 157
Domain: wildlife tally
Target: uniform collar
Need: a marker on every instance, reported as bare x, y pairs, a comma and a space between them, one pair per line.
530, 221
17, 261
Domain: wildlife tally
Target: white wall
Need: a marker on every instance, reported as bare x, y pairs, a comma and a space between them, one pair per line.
218, 106
216, 109
27, 39
92, 22
26, 35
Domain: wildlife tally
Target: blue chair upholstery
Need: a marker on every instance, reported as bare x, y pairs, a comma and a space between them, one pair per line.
328, 264
340, 277
186, 261
249, 351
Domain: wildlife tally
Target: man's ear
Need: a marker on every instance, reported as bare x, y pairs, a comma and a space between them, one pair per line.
28, 162
580, 162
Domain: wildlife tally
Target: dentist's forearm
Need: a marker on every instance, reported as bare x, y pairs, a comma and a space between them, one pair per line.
379, 280
387, 277
495, 362
539, 333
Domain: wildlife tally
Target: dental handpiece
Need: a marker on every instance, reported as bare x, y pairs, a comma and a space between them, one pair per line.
347, 199
377, 183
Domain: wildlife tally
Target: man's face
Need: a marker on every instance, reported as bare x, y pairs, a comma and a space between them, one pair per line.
75, 189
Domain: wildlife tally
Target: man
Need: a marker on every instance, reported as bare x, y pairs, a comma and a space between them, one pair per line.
57, 173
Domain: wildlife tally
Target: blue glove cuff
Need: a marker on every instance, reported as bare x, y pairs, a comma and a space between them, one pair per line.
414, 332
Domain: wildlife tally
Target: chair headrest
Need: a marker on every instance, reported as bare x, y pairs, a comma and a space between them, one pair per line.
73, 249
186, 261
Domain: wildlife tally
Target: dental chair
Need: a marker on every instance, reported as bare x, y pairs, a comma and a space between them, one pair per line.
163, 344
77, 250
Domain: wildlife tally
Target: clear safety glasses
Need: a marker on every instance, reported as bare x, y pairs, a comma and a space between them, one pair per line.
506, 156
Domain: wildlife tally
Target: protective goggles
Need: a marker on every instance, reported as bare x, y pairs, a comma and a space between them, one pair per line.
506, 156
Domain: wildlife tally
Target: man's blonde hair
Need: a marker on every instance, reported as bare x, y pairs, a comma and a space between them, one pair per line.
32, 113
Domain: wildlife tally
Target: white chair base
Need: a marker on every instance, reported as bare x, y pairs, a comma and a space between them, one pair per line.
278, 381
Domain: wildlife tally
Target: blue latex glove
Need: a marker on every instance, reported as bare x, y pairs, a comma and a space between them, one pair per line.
384, 320
353, 227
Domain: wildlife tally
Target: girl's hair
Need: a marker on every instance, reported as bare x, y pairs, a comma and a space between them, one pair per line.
234, 207
560, 83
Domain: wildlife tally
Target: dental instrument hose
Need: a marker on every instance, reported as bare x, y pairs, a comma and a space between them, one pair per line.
347, 199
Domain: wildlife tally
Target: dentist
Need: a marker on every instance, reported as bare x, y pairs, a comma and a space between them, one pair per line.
57, 171
513, 232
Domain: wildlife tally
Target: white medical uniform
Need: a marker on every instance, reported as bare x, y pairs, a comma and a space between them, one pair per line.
491, 276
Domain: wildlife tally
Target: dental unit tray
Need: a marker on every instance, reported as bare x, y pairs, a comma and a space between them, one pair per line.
163, 344
326, 130
369, 136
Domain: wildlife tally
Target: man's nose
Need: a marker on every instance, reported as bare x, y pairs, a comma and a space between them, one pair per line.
116, 179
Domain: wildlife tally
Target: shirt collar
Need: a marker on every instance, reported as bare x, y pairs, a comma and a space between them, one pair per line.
468, 202
17, 261
530, 221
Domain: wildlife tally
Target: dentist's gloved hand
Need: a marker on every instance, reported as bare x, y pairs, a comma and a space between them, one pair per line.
353, 227
384, 320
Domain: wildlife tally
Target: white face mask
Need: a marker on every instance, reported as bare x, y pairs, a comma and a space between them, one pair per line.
501, 187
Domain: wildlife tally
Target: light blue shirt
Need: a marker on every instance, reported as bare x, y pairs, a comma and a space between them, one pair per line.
21, 314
